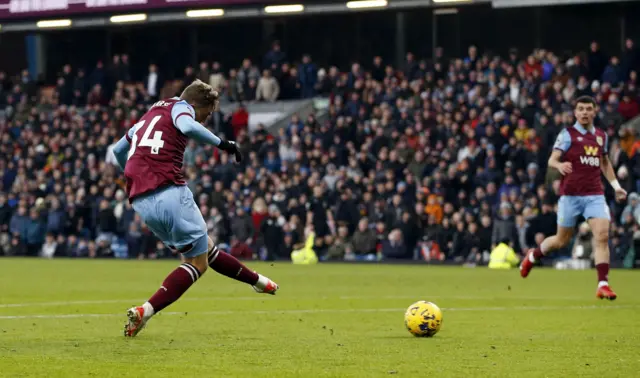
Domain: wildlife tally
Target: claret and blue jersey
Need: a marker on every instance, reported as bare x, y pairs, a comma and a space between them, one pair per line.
582, 191
151, 154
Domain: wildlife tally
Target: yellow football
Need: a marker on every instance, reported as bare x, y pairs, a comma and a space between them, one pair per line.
423, 319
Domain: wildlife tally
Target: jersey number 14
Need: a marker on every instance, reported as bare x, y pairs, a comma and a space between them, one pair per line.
156, 143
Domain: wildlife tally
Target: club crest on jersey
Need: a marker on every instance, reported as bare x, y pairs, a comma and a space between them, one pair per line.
599, 140
580, 139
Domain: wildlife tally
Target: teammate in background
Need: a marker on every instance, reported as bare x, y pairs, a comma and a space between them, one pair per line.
580, 154
151, 155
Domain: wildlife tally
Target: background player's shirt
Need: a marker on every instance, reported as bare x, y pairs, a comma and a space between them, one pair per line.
157, 148
585, 151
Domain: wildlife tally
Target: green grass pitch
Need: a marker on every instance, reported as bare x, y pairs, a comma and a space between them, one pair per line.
64, 318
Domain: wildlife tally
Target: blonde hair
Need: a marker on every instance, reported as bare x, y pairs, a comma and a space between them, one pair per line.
259, 205
201, 95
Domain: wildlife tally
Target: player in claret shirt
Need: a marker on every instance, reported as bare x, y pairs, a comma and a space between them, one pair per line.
151, 154
580, 154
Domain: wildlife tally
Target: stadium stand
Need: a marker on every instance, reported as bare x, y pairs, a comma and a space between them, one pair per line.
432, 160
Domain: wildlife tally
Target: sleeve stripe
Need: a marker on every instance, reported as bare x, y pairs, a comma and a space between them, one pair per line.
128, 137
181, 114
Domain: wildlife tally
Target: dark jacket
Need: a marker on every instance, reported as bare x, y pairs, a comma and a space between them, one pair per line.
504, 229
364, 242
394, 250
242, 227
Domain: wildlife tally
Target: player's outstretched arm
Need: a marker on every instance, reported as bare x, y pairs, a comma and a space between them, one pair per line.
183, 119
194, 130
121, 150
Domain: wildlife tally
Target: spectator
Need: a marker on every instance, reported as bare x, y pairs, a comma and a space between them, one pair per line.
5, 214
17, 247
189, 77
631, 212
612, 72
308, 77
19, 223
153, 83
107, 223
597, 61
242, 226
364, 239
460, 248
35, 232
503, 257
234, 87
504, 228
629, 107
240, 249
215, 224
271, 229
275, 56
96, 96
216, 78
583, 246
630, 58
394, 247
97, 75
203, 72
341, 248
239, 120
268, 88
246, 73
49, 247
378, 69
125, 68
476, 256
56, 219
289, 83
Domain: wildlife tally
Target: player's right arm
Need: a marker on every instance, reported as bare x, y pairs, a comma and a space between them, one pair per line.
562, 144
183, 116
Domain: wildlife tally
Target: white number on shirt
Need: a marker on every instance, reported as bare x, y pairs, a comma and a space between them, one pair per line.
156, 143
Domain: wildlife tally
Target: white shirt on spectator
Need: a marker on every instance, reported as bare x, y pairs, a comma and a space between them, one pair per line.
152, 83
48, 249
287, 153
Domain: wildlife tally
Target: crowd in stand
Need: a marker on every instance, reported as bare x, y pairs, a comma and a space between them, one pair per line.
440, 159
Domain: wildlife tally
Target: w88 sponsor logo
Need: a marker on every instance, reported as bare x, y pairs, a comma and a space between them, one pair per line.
593, 161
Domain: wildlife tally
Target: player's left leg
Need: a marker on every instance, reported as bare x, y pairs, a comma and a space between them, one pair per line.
599, 219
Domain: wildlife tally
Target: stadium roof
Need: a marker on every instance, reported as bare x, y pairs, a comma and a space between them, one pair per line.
25, 15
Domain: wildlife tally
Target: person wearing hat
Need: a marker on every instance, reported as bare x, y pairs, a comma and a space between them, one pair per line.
632, 208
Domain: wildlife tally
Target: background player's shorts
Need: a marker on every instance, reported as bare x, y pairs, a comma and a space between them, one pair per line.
174, 218
571, 207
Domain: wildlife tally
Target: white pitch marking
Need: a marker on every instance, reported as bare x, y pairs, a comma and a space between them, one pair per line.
319, 310
257, 298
